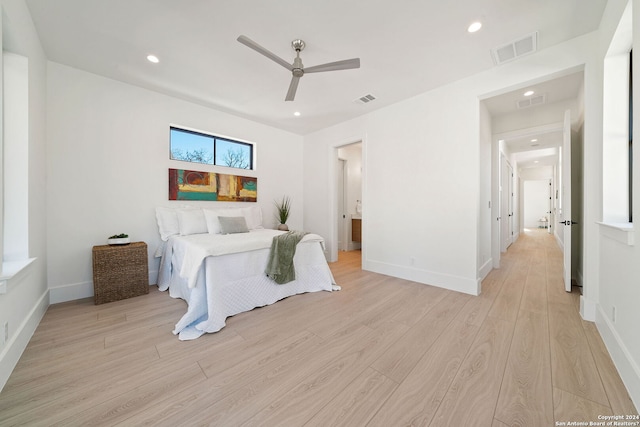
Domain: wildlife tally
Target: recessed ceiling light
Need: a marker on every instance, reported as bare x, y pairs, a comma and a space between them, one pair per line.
529, 93
153, 58
535, 161
297, 113
534, 140
474, 27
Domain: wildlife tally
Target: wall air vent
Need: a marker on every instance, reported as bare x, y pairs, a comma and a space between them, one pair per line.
531, 101
510, 51
365, 99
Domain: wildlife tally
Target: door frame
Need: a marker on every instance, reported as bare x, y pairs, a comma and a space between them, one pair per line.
506, 203
566, 211
334, 193
343, 244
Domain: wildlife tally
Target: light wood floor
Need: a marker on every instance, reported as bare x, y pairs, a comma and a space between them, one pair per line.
381, 352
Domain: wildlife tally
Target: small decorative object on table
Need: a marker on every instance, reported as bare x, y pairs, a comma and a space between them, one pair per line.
284, 208
119, 239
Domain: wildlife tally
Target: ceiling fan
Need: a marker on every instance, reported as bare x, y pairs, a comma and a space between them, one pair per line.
297, 69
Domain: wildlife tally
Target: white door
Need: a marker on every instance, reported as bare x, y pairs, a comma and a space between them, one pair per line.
506, 203
551, 224
342, 244
510, 202
565, 213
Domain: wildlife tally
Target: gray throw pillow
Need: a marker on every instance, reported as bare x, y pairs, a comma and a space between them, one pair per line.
233, 224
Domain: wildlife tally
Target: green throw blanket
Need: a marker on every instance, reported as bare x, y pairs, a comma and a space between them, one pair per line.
283, 248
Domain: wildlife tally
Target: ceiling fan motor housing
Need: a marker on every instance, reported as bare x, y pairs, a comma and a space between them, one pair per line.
298, 68
298, 45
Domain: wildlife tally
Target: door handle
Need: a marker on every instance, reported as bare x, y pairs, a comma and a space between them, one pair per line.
568, 222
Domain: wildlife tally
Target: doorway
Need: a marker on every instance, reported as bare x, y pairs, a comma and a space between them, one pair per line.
349, 197
536, 209
525, 140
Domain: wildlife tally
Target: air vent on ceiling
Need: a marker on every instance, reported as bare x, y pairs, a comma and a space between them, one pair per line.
510, 51
365, 99
532, 101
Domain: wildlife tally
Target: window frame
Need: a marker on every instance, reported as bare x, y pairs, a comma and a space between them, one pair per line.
631, 135
215, 138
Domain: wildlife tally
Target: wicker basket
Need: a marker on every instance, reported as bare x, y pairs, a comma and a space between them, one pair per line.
120, 272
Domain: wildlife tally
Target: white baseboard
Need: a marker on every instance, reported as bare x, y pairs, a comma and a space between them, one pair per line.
18, 341
354, 246
81, 290
486, 269
71, 292
588, 309
454, 283
627, 368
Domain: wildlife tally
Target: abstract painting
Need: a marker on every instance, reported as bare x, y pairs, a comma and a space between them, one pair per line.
195, 185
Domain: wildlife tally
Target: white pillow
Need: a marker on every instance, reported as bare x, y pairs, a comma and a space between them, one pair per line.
211, 218
167, 222
191, 221
253, 215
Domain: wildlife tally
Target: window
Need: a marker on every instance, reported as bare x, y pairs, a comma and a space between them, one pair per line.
631, 136
16, 156
197, 147
617, 128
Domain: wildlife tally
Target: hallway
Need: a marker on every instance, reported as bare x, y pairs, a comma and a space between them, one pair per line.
558, 368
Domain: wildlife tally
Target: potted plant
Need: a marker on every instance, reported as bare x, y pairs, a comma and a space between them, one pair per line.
119, 239
284, 208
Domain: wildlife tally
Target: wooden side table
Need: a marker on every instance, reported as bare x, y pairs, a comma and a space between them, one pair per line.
120, 271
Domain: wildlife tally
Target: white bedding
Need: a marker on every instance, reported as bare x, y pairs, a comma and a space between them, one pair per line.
223, 275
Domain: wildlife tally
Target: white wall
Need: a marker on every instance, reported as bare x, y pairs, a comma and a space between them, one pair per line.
27, 297
108, 161
413, 198
422, 164
536, 202
534, 174
485, 260
618, 261
546, 114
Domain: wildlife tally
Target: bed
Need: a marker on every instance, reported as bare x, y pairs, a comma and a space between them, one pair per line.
220, 275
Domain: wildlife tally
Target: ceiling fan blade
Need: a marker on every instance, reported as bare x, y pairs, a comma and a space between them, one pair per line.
255, 46
293, 86
346, 64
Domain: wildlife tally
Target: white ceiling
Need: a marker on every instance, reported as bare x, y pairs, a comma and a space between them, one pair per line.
536, 145
406, 47
559, 89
